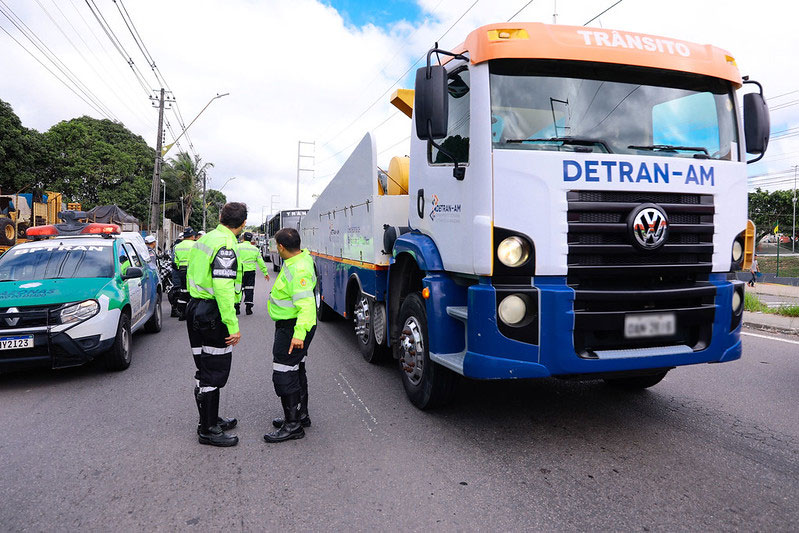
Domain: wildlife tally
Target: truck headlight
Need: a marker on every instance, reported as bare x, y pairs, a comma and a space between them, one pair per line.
512, 310
737, 251
79, 312
513, 251
737, 301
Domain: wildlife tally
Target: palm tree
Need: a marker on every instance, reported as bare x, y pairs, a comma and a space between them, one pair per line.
188, 174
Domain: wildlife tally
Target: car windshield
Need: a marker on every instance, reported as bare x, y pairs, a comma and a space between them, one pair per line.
61, 260
601, 108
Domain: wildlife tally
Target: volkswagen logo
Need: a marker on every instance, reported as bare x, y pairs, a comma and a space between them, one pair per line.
12, 321
648, 226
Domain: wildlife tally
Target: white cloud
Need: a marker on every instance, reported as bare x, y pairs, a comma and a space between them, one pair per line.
297, 71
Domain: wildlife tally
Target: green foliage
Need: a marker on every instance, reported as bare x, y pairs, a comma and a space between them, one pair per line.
22, 154
767, 210
753, 303
184, 176
789, 265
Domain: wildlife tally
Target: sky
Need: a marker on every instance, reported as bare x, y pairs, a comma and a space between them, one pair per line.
322, 72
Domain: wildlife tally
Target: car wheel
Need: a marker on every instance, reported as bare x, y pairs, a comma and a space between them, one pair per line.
155, 323
636, 382
426, 383
7, 231
119, 356
363, 323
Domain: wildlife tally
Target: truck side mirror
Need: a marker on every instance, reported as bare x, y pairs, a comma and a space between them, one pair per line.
756, 123
432, 106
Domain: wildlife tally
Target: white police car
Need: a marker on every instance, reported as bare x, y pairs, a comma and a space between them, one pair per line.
76, 293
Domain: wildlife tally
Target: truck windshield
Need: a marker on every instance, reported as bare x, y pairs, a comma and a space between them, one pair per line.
57, 262
601, 108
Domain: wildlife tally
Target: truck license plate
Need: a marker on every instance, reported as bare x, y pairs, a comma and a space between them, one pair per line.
654, 325
16, 343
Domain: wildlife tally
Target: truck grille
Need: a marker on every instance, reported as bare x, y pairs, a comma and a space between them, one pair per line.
612, 278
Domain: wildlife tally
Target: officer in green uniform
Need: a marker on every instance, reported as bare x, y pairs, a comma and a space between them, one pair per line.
293, 308
250, 258
214, 281
180, 264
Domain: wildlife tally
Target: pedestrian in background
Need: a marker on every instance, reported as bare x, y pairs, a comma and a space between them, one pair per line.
293, 308
754, 269
251, 259
150, 242
214, 280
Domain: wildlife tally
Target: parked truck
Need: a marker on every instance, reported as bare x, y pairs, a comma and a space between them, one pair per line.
21, 211
573, 205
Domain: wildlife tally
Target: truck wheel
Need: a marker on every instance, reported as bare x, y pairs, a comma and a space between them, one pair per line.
427, 384
7, 232
362, 319
118, 357
154, 324
636, 382
323, 311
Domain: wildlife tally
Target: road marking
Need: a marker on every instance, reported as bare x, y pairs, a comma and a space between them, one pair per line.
365, 422
358, 398
768, 337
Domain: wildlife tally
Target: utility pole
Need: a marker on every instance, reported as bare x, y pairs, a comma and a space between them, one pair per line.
300, 156
155, 196
793, 234
204, 204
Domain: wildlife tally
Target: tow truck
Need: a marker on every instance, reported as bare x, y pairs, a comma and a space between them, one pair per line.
76, 292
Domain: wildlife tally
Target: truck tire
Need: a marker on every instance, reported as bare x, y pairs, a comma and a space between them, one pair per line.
363, 323
426, 383
156, 321
7, 232
636, 382
323, 311
118, 357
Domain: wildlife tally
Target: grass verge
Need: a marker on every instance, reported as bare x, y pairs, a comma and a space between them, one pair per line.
753, 303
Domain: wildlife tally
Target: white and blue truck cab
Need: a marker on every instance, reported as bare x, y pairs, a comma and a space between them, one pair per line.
574, 204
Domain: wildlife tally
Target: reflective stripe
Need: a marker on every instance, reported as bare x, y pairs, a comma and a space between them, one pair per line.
195, 286
277, 367
237, 286
301, 295
196, 351
287, 273
197, 381
281, 303
204, 248
249, 287
303, 359
212, 350
207, 389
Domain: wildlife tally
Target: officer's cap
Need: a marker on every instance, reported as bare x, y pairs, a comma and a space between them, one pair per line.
247, 236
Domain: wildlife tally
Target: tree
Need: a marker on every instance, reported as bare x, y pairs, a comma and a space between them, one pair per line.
185, 174
767, 210
23, 157
100, 162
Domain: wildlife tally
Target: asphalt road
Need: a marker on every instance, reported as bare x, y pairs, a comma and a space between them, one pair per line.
713, 447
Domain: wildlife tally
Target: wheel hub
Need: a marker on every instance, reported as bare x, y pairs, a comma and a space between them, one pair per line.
362, 319
412, 350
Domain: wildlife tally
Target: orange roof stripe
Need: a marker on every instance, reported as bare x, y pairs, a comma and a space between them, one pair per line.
579, 43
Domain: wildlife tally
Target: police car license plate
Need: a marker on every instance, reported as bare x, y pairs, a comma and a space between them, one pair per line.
651, 325
16, 343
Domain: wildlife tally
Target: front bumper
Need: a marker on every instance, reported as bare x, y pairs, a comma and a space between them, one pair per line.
469, 341
54, 350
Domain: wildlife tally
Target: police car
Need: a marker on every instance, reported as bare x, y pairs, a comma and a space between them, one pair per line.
76, 293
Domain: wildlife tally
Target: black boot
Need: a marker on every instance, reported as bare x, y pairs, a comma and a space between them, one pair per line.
249, 309
238, 308
305, 420
174, 313
291, 428
225, 423
210, 432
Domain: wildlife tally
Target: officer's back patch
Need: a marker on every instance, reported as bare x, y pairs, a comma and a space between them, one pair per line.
225, 264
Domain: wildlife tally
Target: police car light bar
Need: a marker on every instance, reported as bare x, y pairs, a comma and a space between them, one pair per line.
41, 231
53, 230
101, 229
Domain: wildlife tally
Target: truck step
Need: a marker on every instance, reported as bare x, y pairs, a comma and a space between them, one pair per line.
459, 312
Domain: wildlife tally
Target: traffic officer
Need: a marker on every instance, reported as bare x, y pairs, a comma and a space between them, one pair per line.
180, 264
293, 308
250, 257
150, 242
214, 280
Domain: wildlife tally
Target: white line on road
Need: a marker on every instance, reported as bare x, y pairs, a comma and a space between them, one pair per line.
768, 337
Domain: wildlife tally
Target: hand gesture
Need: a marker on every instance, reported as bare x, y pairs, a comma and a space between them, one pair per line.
296, 343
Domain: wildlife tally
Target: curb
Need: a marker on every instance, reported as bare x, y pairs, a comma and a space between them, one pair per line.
771, 329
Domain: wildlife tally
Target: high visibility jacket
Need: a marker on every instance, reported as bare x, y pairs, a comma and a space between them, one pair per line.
251, 258
215, 273
292, 294
182, 249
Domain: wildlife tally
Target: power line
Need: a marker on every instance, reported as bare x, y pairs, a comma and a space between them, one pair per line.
521, 9
53, 58
602, 13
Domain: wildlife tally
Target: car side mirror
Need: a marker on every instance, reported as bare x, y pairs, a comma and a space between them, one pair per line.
132, 273
431, 106
757, 123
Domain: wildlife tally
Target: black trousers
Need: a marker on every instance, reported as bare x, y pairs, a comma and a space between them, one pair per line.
248, 283
207, 335
288, 369
183, 292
